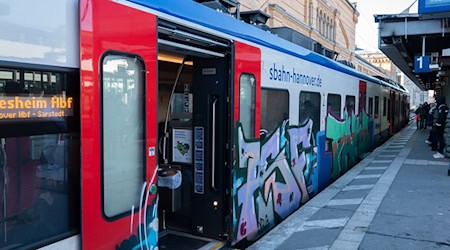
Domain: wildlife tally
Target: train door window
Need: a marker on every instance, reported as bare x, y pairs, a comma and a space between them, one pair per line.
123, 139
370, 106
334, 104
384, 106
274, 108
310, 109
350, 104
247, 95
377, 106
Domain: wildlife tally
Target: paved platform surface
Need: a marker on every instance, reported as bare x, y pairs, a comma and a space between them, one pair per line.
398, 197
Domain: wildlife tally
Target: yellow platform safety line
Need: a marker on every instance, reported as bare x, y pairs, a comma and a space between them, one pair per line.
218, 245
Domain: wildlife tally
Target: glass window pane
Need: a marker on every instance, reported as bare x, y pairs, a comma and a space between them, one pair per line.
247, 85
389, 109
370, 106
377, 106
350, 104
7, 75
39, 161
334, 104
384, 106
274, 108
310, 108
123, 135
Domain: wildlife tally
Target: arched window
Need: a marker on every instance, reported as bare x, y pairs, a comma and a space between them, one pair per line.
324, 25
332, 30
320, 21
327, 33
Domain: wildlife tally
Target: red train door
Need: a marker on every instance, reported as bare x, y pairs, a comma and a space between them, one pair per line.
391, 112
247, 66
362, 96
118, 126
247, 96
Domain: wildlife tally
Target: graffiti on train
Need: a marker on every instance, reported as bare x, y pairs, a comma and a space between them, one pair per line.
272, 177
275, 175
146, 234
349, 140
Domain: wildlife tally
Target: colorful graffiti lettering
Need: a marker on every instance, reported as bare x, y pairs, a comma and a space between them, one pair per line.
350, 139
270, 178
273, 176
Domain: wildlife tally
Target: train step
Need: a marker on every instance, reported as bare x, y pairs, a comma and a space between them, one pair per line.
169, 240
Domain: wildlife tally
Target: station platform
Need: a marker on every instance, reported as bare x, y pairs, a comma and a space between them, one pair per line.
398, 197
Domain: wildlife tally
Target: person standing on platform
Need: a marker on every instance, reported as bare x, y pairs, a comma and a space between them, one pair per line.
438, 142
422, 116
417, 116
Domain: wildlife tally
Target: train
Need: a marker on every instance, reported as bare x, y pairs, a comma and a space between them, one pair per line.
130, 124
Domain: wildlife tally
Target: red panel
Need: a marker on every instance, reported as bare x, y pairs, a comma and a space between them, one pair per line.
247, 60
106, 25
362, 96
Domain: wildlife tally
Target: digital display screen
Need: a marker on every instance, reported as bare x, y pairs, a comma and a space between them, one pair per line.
22, 108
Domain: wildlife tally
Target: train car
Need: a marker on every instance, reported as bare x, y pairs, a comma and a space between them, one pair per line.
130, 124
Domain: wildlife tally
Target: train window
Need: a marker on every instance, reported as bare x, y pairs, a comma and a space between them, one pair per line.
39, 157
350, 104
247, 101
389, 109
310, 109
334, 104
384, 106
377, 106
370, 106
274, 108
123, 134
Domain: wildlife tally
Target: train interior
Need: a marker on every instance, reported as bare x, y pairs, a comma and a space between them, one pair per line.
193, 83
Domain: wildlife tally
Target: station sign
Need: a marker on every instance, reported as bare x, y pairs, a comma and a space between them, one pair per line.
433, 6
422, 64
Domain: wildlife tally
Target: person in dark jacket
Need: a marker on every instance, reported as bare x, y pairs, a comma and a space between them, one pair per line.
418, 115
430, 122
439, 118
424, 115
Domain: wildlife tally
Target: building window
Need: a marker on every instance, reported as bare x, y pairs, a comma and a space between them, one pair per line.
123, 138
247, 83
319, 21
332, 30
327, 32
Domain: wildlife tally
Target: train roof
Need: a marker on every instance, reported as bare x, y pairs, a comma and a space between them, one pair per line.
204, 16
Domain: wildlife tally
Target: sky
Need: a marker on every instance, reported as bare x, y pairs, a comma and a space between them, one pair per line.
367, 29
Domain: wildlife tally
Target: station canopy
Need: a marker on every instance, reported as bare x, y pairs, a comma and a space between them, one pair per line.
419, 43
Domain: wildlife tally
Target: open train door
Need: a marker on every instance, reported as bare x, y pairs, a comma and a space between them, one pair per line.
118, 126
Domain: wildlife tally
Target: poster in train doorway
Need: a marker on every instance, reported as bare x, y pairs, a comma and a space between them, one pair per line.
182, 146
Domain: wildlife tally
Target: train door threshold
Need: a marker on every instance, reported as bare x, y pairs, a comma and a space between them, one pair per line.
169, 240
